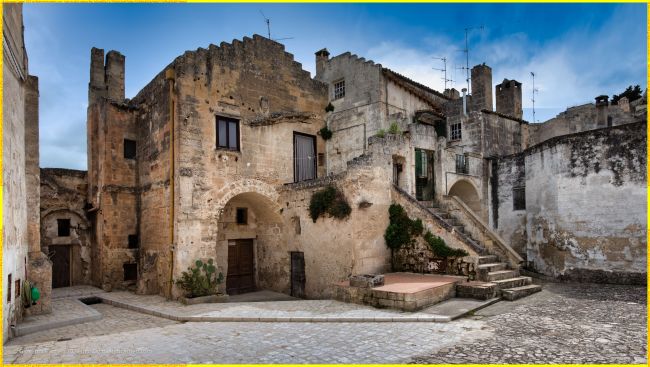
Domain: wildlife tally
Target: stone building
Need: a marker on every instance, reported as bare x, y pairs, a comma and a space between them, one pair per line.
220, 154
22, 258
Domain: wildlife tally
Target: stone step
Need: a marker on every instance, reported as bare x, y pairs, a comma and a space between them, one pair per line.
493, 266
512, 294
501, 275
460, 229
477, 290
487, 259
513, 282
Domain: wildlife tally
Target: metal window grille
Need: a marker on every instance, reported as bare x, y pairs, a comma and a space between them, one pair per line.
339, 89
462, 164
456, 132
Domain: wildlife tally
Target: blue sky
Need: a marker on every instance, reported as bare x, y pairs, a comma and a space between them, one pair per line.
578, 51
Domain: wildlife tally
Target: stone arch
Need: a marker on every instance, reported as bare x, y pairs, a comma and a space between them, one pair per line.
468, 193
80, 215
246, 186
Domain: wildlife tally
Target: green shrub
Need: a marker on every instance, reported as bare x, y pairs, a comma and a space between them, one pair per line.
326, 133
381, 133
329, 107
329, 201
440, 248
401, 230
201, 280
394, 128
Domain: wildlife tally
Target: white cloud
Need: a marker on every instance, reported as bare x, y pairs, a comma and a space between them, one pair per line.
570, 70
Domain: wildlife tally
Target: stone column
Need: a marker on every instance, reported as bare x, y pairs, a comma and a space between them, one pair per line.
39, 268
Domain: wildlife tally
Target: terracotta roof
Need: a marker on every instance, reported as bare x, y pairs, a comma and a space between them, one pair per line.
399, 77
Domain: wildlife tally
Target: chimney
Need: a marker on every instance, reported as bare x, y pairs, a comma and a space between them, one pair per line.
464, 90
481, 88
602, 104
452, 93
115, 76
508, 96
322, 56
97, 84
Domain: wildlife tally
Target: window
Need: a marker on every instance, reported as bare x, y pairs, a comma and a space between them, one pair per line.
227, 133
63, 227
9, 289
130, 271
462, 164
321, 159
129, 149
339, 89
242, 216
17, 295
134, 241
519, 198
456, 132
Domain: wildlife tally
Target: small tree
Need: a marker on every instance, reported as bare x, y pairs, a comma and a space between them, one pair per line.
632, 93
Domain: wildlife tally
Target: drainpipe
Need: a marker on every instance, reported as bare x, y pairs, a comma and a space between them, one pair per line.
170, 77
464, 101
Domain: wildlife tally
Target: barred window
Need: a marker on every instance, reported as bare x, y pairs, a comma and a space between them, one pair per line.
519, 198
339, 89
456, 132
462, 164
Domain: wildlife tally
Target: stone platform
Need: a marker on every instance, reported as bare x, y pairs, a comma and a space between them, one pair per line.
402, 291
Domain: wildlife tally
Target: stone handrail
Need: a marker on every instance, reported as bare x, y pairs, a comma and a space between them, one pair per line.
513, 257
440, 221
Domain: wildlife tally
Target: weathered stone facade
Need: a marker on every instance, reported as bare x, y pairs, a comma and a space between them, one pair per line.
63, 197
21, 256
583, 217
205, 162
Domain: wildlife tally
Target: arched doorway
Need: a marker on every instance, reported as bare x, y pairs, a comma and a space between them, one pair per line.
468, 194
249, 242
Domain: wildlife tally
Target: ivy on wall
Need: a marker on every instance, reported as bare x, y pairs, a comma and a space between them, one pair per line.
329, 201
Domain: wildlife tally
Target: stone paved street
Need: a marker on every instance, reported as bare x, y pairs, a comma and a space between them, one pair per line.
563, 323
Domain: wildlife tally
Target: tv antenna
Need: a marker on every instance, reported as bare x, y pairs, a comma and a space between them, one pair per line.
268, 29
535, 90
466, 51
444, 70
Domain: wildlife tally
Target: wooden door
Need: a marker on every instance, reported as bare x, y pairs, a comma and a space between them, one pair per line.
298, 274
241, 274
61, 266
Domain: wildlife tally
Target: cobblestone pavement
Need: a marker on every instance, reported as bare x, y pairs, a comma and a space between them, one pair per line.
233, 342
565, 323
113, 320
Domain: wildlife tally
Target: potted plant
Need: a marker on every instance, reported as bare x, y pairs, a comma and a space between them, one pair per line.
200, 284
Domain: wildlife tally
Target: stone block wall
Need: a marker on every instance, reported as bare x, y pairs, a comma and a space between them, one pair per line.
63, 196
585, 205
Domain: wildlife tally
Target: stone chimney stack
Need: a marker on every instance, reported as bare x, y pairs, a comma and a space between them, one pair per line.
481, 88
106, 80
452, 93
508, 96
322, 56
97, 85
115, 76
602, 106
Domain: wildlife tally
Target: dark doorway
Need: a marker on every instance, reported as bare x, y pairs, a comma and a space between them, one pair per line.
298, 274
424, 183
61, 266
241, 272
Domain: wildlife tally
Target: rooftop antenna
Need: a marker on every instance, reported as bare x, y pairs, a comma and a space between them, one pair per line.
268, 28
466, 51
444, 70
535, 90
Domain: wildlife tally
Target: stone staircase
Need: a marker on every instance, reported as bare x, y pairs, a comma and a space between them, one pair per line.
494, 278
